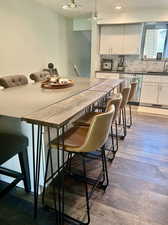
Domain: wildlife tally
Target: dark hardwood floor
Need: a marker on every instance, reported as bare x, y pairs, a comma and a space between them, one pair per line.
138, 189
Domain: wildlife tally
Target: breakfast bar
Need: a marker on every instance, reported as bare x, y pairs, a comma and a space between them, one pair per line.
49, 109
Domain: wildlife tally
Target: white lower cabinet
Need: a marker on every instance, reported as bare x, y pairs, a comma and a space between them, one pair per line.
149, 93
163, 94
154, 93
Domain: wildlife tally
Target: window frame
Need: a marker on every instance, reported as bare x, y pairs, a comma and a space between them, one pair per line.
153, 26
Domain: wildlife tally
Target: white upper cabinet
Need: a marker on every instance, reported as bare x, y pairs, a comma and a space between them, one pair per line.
121, 39
111, 39
132, 39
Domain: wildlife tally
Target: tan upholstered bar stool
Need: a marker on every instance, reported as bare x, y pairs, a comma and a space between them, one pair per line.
83, 140
125, 95
39, 76
13, 81
131, 95
86, 120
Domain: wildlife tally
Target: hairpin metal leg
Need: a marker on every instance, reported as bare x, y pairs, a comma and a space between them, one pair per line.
36, 164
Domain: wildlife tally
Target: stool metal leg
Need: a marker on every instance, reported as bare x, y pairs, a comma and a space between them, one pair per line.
86, 190
24, 165
124, 123
105, 166
130, 117
116, 133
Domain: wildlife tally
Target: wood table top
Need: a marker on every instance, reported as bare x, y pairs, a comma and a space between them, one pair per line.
22, 100
35, 105
61, 112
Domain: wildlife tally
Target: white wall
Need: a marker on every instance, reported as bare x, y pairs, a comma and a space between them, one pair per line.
31, 36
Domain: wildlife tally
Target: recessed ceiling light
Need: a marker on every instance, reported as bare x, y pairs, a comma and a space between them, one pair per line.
118, 7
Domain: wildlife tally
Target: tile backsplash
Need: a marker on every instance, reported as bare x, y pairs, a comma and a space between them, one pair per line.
134, 64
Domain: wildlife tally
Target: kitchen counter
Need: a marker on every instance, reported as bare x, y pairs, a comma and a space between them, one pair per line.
137, 73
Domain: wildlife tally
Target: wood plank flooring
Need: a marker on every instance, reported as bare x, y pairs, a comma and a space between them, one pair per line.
138, 190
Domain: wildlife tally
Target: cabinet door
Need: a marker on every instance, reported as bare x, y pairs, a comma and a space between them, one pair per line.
163, 94
132, 39
149, 93
111, 40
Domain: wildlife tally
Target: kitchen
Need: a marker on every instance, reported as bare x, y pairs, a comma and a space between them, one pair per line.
135, 58
111, 40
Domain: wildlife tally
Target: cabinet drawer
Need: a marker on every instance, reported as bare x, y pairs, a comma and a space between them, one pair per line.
107, 75
151, 79
164, 79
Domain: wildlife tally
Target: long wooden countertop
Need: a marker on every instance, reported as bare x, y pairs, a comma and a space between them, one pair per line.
61, 112
53, 107
22, 100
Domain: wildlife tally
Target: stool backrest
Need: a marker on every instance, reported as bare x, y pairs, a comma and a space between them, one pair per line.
116, 101
39, 76
125, 95
13, 81
132, 91
98, 131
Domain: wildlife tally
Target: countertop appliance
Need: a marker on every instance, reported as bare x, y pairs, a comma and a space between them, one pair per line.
106, 64
121, 63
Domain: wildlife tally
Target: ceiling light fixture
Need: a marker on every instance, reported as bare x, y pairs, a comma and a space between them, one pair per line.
71, 5
118, 7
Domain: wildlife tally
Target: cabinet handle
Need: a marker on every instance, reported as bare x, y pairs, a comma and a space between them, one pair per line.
160, 88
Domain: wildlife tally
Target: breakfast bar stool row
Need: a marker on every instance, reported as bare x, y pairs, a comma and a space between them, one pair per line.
82, 140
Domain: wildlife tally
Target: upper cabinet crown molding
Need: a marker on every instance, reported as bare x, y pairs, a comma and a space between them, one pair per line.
122, 39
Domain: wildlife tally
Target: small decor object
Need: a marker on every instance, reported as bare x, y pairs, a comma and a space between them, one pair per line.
52, 71
107, 64
121, 63
56, 83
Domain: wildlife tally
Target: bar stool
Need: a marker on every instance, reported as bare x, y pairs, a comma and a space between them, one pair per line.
86, 120
39, 76
13, 81
12, 145
82, 140
131, 95
125, 95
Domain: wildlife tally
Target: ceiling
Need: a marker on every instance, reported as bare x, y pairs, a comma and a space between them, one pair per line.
103, 6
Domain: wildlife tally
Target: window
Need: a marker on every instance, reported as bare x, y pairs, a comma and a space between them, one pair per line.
155, 41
